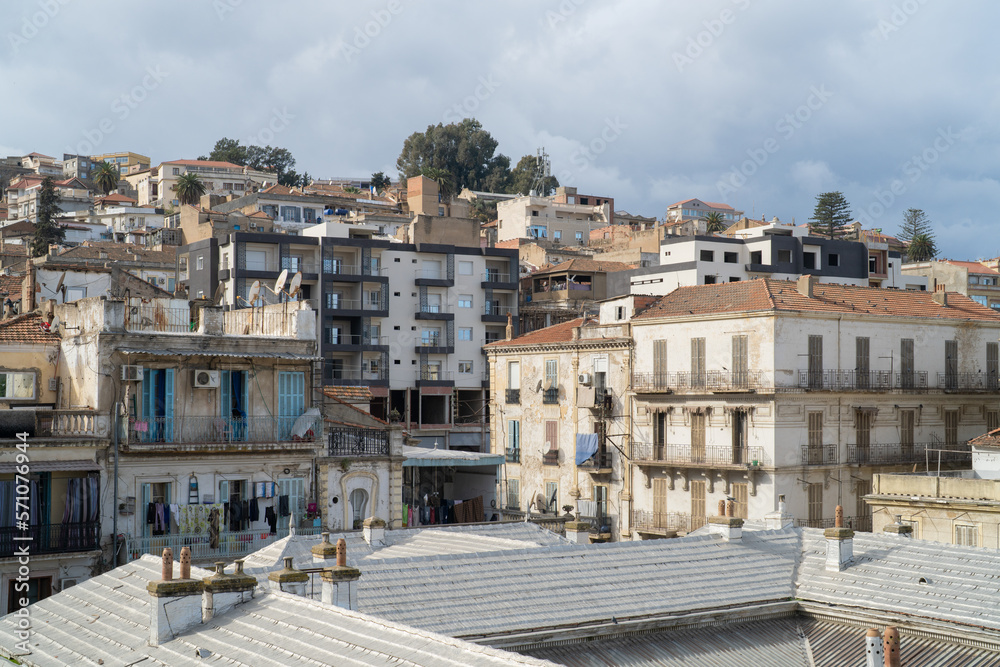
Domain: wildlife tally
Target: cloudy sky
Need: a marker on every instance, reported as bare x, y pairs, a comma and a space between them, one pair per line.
759, 104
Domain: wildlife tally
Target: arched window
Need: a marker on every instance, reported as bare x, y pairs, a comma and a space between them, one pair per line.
358, 500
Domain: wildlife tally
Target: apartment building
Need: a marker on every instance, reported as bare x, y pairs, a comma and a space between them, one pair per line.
156, 186
763, 388
126, 161
696, 209
42, 165
564, 217
976, 280
75, 197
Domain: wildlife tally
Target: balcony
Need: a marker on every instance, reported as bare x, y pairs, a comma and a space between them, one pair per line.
851, 380
433, 376
513, 455
275, 267
707, 456
858, 523
231, 545
498, 280
666, 524
434, 312
262, 322
433, 345
158, 318
968, 382
195, 434
599, 463
358, 442
340, 272
349, 376
710, 381
819, 455
51, 538
356, 308
495, 312
895, 453
550, 396
513, 396
355, 343
433, 278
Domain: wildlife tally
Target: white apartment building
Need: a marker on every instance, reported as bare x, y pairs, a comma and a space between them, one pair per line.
564, 217
696, 209
155, 186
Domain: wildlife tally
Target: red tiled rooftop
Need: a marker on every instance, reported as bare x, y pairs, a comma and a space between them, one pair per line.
26, 328
971, 267
764, 295
349, 394
557, 333
712, 204
580, 264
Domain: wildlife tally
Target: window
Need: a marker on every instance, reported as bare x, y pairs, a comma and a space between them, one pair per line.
756, 257
291, 400
660, 503
731, 257
465, 367
707, 255
862, 360
966, 535
256, 260
809, 260
951, 364
465, 301
742, 505
433, 304
552, 436
200, 262
358, 501
815, 362
697, 362
75, 293
514, 375
295, 489
465, 268
862, 510
740, 363
906, 422
513, 494
579, 236
551, 373
557, 234
176, 171
659, 435
816, 504
697, 504
992, 420
950, 428
710, 280
375, 299
833, 259
551, 497
698, 437
815, 446
734, 279
513, 440
430, 337
906, 375
465, 333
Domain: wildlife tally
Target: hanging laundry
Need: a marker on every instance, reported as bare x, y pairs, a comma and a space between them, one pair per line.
283, 506
272, 519
254, 511
213, 528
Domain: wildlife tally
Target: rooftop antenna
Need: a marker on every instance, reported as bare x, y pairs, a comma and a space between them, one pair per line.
220, 292
543, 170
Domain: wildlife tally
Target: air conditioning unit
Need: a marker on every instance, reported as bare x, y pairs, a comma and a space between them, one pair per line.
131, 373
161, 280
584, 379
206, 378
67, 582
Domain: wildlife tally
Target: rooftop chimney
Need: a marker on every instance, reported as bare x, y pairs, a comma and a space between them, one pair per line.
940, 295
225, 591
374, 531
897, 527
324, 551
890, 645
873, 648
288, 580
839, 544
805, 285
338, 582
779, 519
176, 603
726, 524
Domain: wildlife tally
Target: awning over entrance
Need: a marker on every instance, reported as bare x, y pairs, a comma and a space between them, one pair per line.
423, 457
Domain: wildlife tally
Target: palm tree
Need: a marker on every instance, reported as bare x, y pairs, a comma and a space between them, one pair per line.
189, 188
444, 179
352, 190
106, 177
714, 222
921, 248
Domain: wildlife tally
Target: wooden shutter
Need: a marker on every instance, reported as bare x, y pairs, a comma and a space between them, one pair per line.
862, 363
951, 427
552, 435
815, 448
815, 362
697, 438
660, 503
660, 363
740, 362
951, 364
992, 366
697, 504
697, 362
816, 504
906, 363
740, 495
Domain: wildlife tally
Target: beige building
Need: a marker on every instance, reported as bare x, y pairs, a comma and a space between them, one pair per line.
697, 209
156, 186
977, 281
565, 217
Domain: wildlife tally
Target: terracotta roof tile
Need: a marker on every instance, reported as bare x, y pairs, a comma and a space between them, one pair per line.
509, 243
580, 264
121, 252
971, 267
557, 333
991, 439
349, 394
706, 203
26, 328
782, 295
11, 285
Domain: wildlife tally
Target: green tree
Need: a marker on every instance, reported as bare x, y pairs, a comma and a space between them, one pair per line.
525, 177
380, 182
444, 179
228, 150
351, 190
920, 248
915, 223
831, 215
106, 177
484, 210
47, 229
714, 222
189, 188
464, 151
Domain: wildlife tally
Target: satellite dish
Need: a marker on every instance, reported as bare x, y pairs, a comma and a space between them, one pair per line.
54, 324
539, 387
293, 289
550, 384
254, 292
280, 282
220, 292
59, 285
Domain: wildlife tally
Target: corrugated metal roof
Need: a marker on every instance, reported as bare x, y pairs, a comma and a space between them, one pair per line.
217, 353
53, 466
417, 457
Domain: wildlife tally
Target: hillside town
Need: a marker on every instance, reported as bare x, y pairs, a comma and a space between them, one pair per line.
666, 434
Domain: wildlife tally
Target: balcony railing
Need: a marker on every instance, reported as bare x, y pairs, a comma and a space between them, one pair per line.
342, 374
354, 339
157, 319
513, 396
851, 380
496, 277
230, 545
352, 304
968, 381
430, 274
50, 538
601, 460
707, 381
893, 453
358, 442
859, 523
513, 455
194, 430
818, 455
433, 374
550, 396
498, 310
258, 322
699, 456
337, 268
661, 522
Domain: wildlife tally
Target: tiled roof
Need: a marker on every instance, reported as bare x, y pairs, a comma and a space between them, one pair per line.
279, 189
706, 203
14, 249
116, 197
971, 267
26, 328
509, 244
11, 285
260, 214
40, 155
19, 226
121, 252
581, 264
557, 333
991, 439
763, 294
349, 394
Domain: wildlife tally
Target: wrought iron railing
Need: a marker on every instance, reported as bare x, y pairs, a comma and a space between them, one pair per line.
707, 455
513, 455
968, 381
601, 460
550, 396
861, 523
644, 520
229, 544
852, 380
817, 455
178, 430
708, 381
359, 442
891, 453
513, 396
50, 538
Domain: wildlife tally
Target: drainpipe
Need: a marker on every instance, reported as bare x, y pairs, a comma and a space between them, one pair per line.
114, 502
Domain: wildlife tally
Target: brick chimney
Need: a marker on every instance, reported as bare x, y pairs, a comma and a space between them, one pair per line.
729, 526
225, 591
873, 648
176, 603
804, 285
338, 581
839, 544
897, 527
374, 531
890, 646
940, 295
288, 580
780, 518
